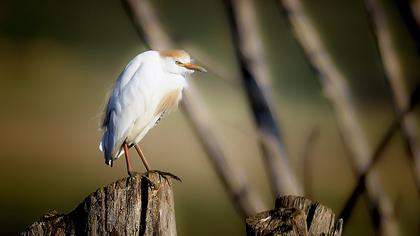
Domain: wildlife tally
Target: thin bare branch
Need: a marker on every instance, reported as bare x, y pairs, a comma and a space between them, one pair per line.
377, 154
254, 71
411, 18
395, 77
336, 90
147, 23
307, 158
398, 205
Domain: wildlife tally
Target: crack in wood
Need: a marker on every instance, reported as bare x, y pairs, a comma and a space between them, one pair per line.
125, 207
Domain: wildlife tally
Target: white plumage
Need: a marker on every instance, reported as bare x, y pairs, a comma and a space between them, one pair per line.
150, 85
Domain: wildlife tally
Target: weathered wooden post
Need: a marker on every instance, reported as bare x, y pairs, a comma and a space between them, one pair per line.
295, 216
131, 206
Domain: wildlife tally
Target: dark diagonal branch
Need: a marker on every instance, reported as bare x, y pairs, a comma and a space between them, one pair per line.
376, 156
307, 160
249, 51
334, 84
147, 24
395, 77
413, 25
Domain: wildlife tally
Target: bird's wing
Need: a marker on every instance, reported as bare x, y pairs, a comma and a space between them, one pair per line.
169, 101
125, 105
126, 75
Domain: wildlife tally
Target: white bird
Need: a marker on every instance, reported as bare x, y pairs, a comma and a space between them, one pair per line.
150, 85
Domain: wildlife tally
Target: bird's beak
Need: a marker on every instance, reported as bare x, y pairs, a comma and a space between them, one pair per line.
192, 66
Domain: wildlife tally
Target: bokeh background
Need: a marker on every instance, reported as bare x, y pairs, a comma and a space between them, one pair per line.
59, 59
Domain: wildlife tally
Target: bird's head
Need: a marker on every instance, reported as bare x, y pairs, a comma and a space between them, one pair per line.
179, 62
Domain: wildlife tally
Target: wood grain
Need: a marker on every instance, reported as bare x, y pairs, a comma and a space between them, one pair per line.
295, 216
129, 206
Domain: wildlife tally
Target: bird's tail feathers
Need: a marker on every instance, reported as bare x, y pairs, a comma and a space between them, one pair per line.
101, 147
107, 147
104, 147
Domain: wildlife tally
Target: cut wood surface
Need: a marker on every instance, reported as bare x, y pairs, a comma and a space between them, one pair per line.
294, 216
129, 206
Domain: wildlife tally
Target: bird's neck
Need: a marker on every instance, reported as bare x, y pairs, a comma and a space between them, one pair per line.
175, 81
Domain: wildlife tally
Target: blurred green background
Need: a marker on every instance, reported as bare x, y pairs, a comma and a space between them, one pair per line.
58, 60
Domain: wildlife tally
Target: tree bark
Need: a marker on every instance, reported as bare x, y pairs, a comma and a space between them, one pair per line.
138, 205
295, 216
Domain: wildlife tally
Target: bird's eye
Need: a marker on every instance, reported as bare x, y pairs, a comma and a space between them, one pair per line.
178, 63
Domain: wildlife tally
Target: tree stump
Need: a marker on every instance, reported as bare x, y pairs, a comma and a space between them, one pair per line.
138, 205
295, 216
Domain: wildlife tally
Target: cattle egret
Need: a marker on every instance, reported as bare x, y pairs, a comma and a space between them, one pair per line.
150, 86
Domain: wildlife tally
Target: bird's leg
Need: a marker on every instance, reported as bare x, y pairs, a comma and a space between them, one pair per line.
127, 159
143, 159
161, 173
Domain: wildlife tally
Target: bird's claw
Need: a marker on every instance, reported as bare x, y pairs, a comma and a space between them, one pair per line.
163, 175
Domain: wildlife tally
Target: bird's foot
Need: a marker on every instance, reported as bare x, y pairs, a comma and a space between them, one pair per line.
163, 175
